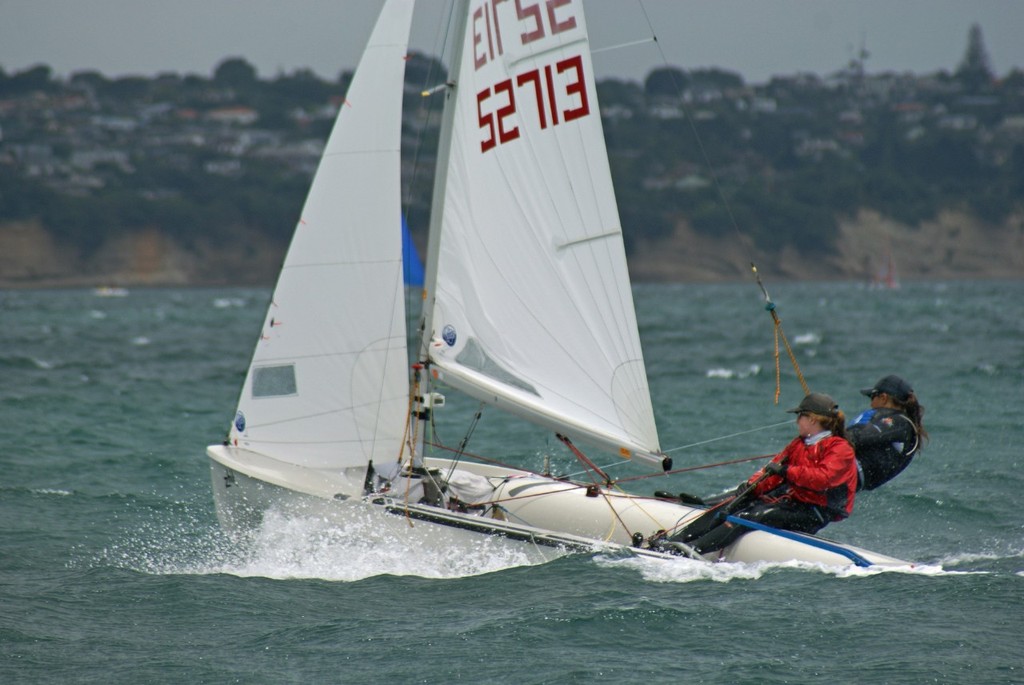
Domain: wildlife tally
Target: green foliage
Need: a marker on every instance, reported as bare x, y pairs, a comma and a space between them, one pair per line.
974, 70
34, 79
235, 72
773, 220
789, 157
666, 82
715, 78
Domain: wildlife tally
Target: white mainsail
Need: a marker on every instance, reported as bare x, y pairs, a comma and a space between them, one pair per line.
531, 304
328, 382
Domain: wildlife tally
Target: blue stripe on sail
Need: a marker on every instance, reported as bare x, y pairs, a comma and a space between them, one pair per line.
412, 267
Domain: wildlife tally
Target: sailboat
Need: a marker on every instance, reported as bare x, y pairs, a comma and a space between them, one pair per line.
527, 307
885, 276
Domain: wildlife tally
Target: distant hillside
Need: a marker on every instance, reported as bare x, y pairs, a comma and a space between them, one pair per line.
191, 180
954, 246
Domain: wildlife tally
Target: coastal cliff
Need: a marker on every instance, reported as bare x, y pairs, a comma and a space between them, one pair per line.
952, 246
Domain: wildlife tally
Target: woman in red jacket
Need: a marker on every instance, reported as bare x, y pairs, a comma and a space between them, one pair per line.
806, 486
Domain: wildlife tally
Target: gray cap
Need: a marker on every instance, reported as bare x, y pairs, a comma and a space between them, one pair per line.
816, 403
890, 385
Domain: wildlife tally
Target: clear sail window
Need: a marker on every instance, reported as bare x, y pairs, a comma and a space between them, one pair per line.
274, 381
474, 357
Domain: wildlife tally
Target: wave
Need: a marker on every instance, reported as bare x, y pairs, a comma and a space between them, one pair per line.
52, 491
46, 492
728, 374
690, 570
807, 339
25, 362
229, 302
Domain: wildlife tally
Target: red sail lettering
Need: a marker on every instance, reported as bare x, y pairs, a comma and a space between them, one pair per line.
479, 57
486, 121
534, 76
505, 111
559, 26
497, 26
561, 87
551, 94
577, 87
530, 12
490, 36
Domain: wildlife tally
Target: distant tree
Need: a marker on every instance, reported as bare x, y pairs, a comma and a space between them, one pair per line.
614, 91
37, 78
1017, 169
301, 87
90, 79
235, 72
666, 82
126, 88
423, 71
1015, 79
716, 78
974, 71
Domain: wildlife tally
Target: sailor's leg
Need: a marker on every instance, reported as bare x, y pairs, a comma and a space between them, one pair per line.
718, 537
797, 516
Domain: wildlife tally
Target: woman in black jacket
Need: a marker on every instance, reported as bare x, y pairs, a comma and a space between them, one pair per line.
886, 437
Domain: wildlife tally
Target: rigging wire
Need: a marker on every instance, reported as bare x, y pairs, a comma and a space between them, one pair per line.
769, 305
691, 445
731, 435
461, 450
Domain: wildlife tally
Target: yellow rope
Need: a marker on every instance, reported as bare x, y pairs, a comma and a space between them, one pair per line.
770, 306
792, 358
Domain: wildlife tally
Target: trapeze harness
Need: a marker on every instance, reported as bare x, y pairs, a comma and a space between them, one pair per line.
885, 441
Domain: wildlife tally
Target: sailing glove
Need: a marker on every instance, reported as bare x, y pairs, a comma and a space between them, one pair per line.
775, 468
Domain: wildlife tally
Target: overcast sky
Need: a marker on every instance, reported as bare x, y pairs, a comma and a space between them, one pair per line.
756, 38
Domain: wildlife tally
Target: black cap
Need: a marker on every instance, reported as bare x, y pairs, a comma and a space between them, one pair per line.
890, 385
816, 403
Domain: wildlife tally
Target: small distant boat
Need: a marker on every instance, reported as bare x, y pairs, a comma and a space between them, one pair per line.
527, 308
886, 277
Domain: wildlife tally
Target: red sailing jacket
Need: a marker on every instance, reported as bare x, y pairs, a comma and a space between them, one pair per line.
824, 474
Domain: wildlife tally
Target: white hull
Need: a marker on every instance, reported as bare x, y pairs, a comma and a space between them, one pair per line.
543, 517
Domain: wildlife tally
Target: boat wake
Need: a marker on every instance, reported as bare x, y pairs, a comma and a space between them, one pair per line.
286, 546
689, 570
306, 546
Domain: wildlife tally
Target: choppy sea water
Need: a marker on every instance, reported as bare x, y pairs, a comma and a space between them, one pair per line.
113, 567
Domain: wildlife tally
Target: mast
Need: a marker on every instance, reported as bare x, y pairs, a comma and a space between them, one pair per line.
461, 9
423, 403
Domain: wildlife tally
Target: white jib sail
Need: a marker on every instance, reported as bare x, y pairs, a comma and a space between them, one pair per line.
328, 382
532, 307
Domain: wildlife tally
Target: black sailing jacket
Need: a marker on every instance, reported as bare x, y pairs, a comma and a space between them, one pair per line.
885, 442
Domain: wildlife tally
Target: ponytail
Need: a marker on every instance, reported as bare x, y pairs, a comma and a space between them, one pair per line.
836, 423
915, 412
